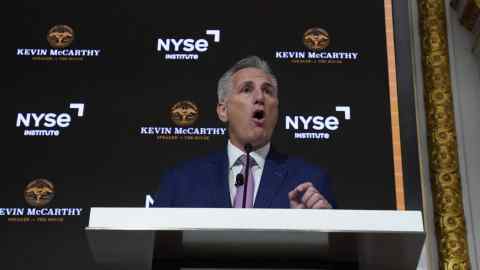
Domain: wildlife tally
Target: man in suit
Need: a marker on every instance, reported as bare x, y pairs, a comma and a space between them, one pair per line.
248, 104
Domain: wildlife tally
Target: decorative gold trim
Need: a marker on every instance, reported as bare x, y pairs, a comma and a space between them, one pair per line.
392, 86
442, 142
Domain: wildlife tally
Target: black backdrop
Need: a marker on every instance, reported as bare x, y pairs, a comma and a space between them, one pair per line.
101, 159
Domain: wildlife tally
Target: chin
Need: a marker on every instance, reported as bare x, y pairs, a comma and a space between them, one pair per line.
257, 139
260, 142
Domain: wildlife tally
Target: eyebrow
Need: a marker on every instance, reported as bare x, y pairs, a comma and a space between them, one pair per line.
246, 83
250, 83
269, 84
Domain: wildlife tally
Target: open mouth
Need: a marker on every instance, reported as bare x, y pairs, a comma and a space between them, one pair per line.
258, 114
259, 117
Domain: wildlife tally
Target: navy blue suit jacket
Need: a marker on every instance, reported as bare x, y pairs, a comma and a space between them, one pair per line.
204, 182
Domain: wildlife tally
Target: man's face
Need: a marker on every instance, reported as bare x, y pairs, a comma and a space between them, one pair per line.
250, 108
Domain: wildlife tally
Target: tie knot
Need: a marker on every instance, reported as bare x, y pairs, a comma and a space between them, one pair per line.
242, 160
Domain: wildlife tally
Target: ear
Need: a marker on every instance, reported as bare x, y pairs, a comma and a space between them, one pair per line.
222, 111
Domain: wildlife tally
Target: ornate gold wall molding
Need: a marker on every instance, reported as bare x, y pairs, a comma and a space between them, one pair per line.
442, 142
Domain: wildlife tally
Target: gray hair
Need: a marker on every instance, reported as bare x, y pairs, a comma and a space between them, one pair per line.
225, 82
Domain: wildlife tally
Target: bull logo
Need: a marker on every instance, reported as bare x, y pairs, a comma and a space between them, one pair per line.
184, 113
60, 36
39, 192
316, 39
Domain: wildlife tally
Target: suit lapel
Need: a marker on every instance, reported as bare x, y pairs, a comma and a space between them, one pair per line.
273, 176
219, 180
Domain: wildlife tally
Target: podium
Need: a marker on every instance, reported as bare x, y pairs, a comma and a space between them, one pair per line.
173, 238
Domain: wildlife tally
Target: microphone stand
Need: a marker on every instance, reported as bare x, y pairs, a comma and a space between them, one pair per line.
248, 148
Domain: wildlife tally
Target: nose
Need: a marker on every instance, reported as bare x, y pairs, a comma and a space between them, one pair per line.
259, 96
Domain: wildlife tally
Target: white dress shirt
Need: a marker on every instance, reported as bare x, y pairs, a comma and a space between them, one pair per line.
258, 155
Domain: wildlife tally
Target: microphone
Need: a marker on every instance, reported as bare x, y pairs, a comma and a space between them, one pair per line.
239, 180
248, 148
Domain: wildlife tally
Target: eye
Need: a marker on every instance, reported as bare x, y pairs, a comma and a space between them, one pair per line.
269, 90
247, 89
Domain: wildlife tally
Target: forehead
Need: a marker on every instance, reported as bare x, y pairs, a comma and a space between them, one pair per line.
251, 75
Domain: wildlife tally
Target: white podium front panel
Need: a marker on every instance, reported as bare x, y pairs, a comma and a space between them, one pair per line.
132, 237
255, 219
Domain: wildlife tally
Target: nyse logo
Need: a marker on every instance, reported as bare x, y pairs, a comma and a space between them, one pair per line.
314, 122
186, 45
185, 48
316, 126
45, 124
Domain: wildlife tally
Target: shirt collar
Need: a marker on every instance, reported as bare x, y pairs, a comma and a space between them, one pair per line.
259, 155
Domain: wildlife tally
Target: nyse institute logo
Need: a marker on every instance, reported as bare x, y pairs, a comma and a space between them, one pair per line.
320, 50
183, 114
316, 127
60, 38
39, 193
186, 48
48, 123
